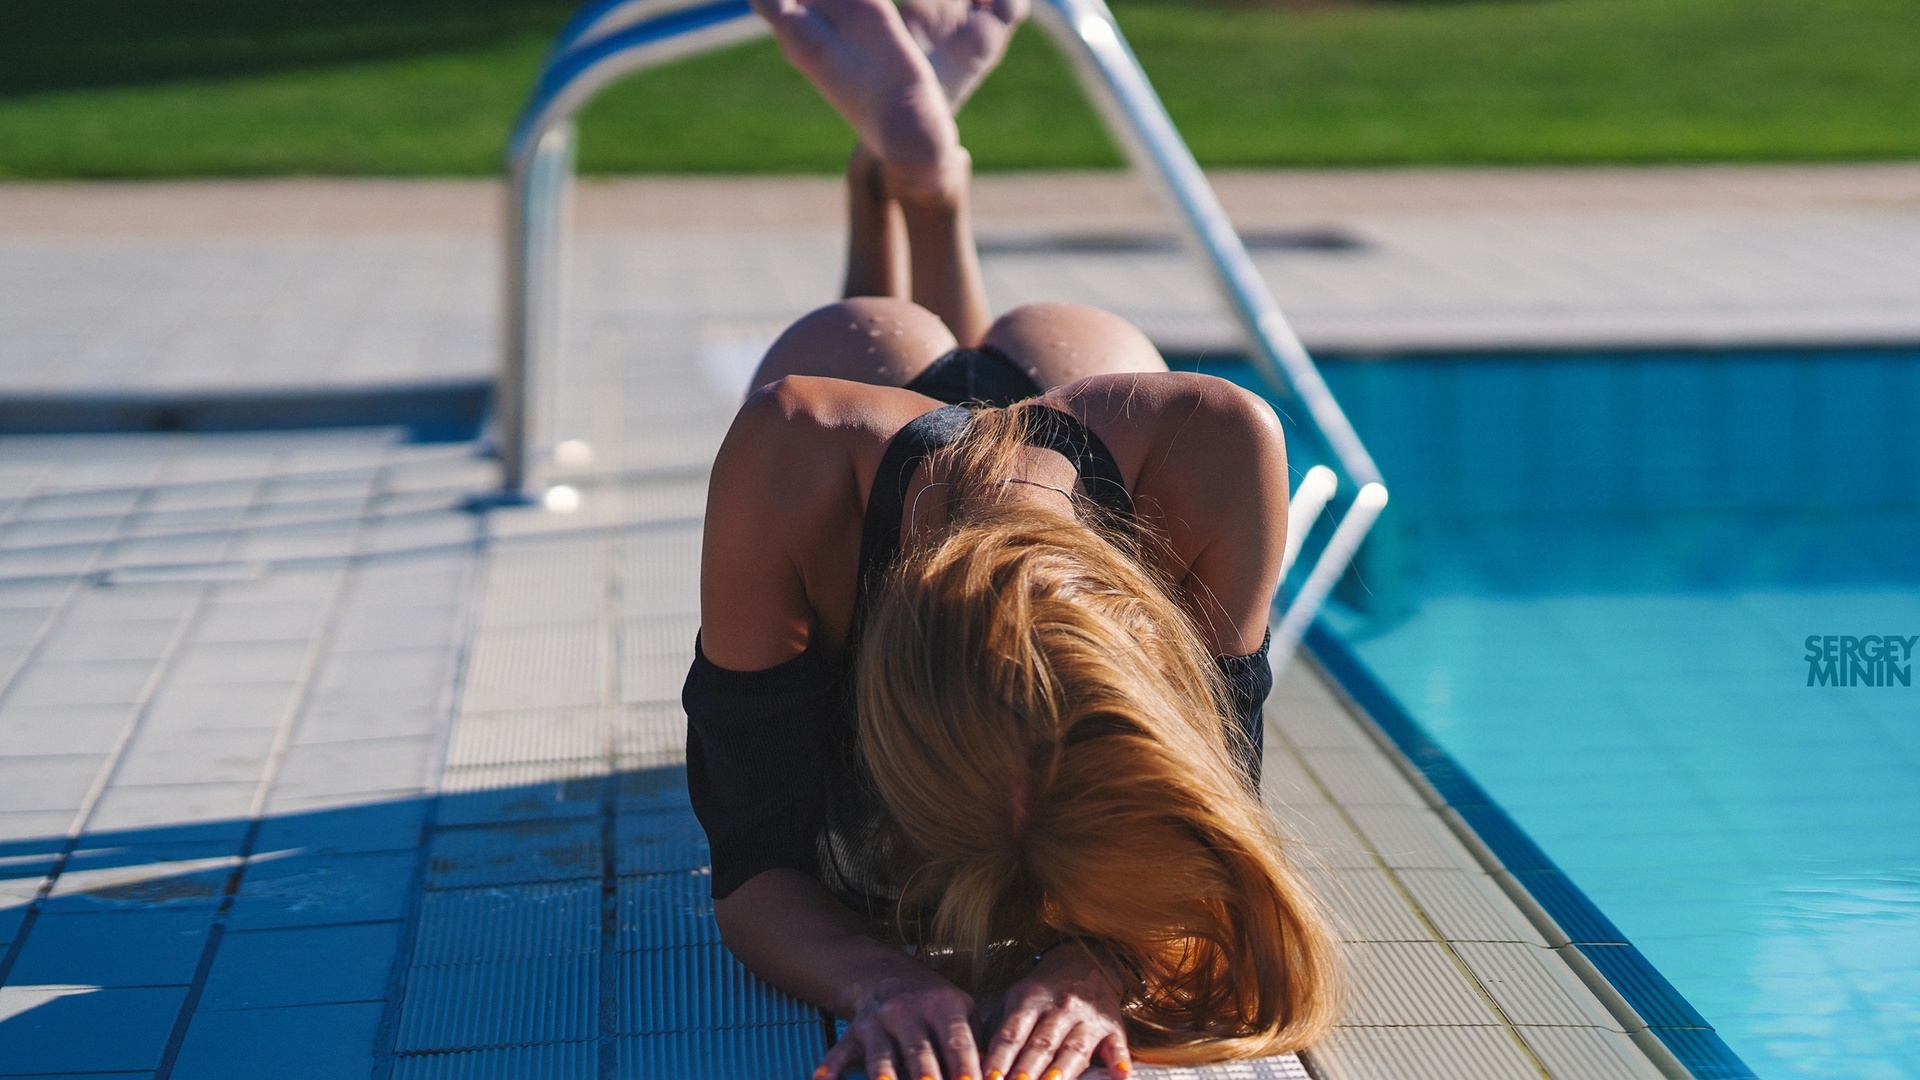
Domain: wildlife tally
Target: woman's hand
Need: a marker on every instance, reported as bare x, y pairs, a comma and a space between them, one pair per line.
915, 1029
1062, 1018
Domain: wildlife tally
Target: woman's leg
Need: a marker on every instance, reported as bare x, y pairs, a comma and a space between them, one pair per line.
1057, 344
865, 60
877, 256
918, 249
868, 339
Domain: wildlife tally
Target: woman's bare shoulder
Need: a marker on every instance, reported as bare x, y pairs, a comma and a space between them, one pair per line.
1177, 422
802, 434
784, 510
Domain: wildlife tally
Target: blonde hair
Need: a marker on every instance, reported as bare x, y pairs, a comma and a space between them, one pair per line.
1048, 734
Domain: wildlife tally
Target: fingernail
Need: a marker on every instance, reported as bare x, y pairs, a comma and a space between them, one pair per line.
1123, 1068
820, 1072
995, 1074
1021, 1076
1053, 1074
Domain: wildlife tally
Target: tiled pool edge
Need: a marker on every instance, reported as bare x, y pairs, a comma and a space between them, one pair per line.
1658, 1018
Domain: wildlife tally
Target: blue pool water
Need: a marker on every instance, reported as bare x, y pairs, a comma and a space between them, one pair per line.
1595, 589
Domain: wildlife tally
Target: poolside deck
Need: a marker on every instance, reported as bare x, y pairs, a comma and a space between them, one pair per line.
304, 770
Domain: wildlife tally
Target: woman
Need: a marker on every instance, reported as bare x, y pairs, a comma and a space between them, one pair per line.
986, 682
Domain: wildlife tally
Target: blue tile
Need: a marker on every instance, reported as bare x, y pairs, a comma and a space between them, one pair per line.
577, 798
140, 1075
388, 826
319, 965
500, 1003
553, 1061
660, 843
524, 852
308, 1042
699, 988
508, 922
10, 920
318, 891
772, 1050
118, 948
64, 1034
145, 874
1758, 426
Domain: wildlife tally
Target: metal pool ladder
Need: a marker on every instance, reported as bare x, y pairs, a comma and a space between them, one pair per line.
609, 39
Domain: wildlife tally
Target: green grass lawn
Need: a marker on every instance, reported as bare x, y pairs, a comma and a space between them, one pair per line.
413, 87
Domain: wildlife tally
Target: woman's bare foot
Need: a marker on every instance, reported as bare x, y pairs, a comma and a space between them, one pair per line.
964, 39
861, 57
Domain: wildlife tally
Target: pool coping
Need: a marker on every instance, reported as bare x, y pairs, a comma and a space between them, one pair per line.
1654, 1013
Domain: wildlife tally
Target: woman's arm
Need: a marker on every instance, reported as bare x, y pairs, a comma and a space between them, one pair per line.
906, 1021
1207, 462
785, 489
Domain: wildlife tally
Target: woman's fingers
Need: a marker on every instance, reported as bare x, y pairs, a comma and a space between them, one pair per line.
1075, 1053
907, 1022
879, 1051
1113, 1053
1043, 1043
1009, 1039
957, 1049
844, 1055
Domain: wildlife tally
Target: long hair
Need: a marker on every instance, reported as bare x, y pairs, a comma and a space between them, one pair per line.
1046, 729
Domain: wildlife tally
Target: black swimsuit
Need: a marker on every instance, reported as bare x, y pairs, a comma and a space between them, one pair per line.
773, 764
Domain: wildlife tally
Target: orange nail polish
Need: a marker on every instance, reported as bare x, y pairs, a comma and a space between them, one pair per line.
1123, 1068
1021, 1076
820, 1073
1053, 1074
995, 1074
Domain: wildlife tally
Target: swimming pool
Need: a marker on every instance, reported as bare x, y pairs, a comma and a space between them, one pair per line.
1599, 586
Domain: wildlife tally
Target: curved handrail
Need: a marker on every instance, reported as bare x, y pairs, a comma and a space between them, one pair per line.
648, 32
601, 18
